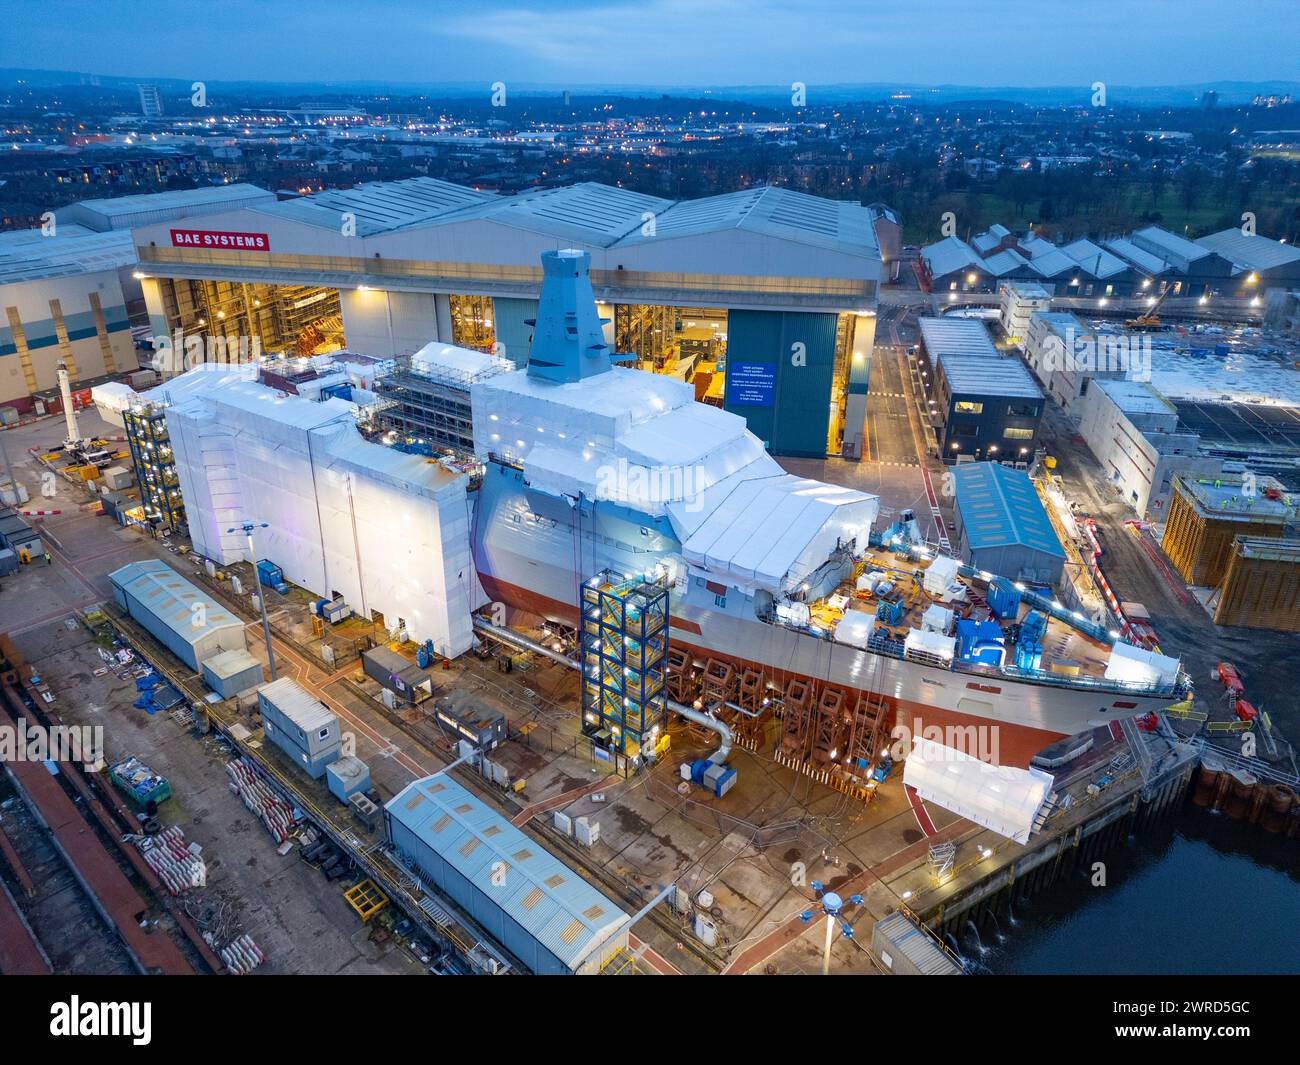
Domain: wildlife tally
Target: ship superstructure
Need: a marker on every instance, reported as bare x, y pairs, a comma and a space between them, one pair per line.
592, 467
789, 613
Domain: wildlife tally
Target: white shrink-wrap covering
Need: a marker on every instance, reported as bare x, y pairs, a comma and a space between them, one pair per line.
939, 574
386, 530
1000, 798
855, 628
930, 643
111, 399
1136, 665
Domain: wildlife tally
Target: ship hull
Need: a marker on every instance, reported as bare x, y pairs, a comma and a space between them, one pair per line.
532, 554
1002, 722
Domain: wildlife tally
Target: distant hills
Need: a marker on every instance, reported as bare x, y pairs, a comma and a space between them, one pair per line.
1230, 92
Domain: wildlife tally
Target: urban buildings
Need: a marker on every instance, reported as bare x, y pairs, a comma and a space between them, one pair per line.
987, 406
1137, 437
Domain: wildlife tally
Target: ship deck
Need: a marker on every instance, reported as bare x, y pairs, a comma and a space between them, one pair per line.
1068, 653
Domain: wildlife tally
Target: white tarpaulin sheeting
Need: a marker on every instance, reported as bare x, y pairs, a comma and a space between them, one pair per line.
641, 440
1000, 797
387, 530
1136, 665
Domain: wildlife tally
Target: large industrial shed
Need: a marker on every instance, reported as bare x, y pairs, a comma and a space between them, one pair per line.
1002, 526
775, 287
534, 905
189, 623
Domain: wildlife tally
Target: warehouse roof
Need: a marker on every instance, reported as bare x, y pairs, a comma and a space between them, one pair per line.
121, 212
1169, 245
1250, 250
990, 238
1146, 261
950, 255
999, 508
1095, 259
1003, 262
550, 901
592, 213
73, 250
380, 206
979, 375
172, 599
772, 211
956, 336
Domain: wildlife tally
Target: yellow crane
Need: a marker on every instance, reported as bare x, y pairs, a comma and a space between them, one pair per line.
1148, 319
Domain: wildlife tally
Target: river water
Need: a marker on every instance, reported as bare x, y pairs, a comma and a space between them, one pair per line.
1199, 894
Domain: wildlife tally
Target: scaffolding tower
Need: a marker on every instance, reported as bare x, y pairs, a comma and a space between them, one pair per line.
155, 465
429, 403
624, 644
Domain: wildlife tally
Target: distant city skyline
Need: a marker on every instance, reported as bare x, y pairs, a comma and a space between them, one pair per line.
1022, 43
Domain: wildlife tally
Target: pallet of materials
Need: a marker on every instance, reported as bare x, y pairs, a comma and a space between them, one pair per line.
276, 814
178, 866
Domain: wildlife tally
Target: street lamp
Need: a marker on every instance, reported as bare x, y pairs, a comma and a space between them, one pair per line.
832, 906
247, 529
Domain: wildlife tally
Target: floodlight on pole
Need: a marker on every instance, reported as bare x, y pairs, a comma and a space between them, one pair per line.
832, 906
247, 529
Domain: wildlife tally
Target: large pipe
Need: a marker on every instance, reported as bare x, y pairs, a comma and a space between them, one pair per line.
690, 713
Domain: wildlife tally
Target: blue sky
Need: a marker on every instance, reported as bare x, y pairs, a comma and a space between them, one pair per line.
663, 42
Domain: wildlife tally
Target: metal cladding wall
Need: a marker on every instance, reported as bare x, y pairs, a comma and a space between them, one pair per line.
509, 317
782, 391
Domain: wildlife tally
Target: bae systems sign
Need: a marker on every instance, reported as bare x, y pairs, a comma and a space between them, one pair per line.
206, 238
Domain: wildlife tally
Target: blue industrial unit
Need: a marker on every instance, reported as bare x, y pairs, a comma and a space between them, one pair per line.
1004, 598
300, 725
1001, 524
271, 576
189, 623
541, 911
1029, 644
890, 611
980, 642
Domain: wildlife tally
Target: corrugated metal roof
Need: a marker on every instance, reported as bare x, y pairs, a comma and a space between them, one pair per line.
74, 250
180, 201
1144, 260
1251, 251
1171, 243
1004, 262
171, 599
380, 206
956, 336
978, 375
297, 704
1094, 259
949, 255
999, 508
539, 892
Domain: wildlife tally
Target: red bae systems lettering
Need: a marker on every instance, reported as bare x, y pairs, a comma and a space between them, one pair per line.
204, 238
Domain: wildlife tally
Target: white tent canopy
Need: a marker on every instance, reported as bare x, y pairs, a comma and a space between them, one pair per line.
998, 797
